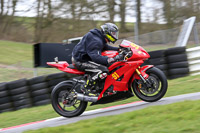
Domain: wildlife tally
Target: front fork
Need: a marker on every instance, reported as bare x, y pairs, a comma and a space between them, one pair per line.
145, 81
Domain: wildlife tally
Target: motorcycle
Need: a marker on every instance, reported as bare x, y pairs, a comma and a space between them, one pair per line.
126, 77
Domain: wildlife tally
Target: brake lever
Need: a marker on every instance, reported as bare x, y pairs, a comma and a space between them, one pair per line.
126, 56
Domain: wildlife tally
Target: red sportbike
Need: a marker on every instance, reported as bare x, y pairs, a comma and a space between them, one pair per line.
126, 77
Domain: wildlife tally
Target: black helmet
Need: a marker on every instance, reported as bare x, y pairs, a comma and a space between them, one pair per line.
110, 31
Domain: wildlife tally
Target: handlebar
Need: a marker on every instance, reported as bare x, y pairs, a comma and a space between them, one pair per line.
127, 52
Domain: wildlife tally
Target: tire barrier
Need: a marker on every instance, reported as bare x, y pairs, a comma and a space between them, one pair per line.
173, 62
157, 58
36, 91
177, 62
5, 99
26, 93
19, 94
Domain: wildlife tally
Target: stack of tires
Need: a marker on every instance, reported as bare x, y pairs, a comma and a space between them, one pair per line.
39, 90
54, 79
19, 94
157, 58
25, 93
5, 99
177, 62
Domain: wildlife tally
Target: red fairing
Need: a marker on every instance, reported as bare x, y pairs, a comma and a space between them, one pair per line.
138, 52
63, 66
109, 53
142, 70
126, 71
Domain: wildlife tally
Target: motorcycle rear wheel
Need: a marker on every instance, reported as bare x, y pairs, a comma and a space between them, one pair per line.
156, 91
65, 103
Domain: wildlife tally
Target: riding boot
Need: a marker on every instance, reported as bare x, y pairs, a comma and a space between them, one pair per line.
91, 81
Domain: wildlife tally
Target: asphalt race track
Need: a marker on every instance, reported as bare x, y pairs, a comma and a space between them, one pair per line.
113, 110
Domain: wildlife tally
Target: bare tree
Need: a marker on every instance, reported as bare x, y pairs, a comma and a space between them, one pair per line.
111, 9
2, 10
123, 15
139, 13
10, 18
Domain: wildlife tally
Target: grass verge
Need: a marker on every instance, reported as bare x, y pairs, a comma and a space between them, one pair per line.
15, 52
181, 117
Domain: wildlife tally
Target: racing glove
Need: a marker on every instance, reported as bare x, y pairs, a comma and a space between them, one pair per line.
117, 57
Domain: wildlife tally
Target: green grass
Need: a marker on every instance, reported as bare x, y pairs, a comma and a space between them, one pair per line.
14, 52
16, 61
179, 86
183, 117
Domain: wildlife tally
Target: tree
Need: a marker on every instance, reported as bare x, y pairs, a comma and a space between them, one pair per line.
2, 11
9, 21
123, 15
111, 10
139, 13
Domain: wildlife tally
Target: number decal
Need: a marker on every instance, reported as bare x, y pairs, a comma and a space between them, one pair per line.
139, 52
115, 75
134, 45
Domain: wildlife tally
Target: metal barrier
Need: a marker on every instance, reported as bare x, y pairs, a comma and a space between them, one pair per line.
194, 60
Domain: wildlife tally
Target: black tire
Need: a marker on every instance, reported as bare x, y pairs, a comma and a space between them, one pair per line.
157, 61
160, 78
41, 97
165, 72
21, 102
3, 86
176, 58
5, 106
3, 93
4, 100
65, 89
177, 76
6, 110
19, 90
178, 71
43, 102
23, 106
56, 76
183, 64
21, 96
51, 88
40, 92
56, 81
17, 84
156, 54
161, 67
37, 80
174, 51
38, 86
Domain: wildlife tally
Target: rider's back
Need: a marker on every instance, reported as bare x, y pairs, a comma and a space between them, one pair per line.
90, 48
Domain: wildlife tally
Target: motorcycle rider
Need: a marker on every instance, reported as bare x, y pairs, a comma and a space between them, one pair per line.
86, 55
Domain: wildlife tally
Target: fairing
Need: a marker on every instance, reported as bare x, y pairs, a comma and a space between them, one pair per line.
138, 52
63, 66
120, 78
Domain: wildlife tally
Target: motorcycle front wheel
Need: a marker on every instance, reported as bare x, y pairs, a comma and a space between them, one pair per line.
158, 87
65, 103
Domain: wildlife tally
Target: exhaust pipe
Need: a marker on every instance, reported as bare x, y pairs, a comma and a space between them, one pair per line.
86, 98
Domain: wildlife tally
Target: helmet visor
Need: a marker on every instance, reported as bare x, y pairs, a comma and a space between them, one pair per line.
115, 34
